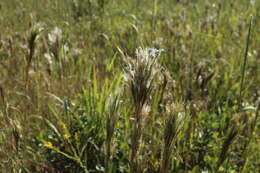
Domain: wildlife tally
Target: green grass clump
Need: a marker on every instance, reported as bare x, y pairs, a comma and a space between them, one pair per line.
129, 86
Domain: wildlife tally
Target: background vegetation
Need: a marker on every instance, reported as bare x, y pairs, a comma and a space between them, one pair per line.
75, 96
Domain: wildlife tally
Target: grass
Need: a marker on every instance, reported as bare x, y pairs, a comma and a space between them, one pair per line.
129, 86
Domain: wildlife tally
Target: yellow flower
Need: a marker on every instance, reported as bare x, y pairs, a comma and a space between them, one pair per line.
66, 136
47, 144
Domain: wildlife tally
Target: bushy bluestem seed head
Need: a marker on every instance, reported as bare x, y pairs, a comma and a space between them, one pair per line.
140, 74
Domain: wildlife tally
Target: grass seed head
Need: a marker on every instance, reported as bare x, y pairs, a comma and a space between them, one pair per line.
140, 74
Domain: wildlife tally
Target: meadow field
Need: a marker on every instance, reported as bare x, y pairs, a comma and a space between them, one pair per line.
138, 86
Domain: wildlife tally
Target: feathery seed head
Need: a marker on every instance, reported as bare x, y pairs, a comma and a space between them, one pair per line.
55, 36
140, 73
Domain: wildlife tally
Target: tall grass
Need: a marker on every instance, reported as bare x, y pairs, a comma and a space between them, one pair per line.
129, 86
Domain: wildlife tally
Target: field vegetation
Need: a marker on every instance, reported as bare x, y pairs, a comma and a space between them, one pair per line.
139, 86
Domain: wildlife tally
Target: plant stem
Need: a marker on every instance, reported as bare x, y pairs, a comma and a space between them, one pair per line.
244, 65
